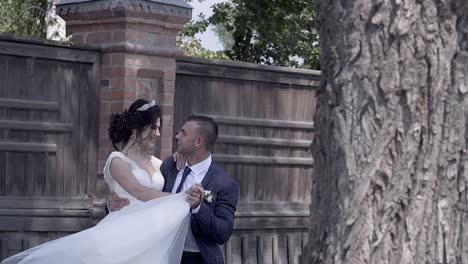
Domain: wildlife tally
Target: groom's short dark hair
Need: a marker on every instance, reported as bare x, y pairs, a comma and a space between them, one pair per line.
208, 129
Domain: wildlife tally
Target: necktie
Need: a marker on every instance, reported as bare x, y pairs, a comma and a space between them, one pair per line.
187, 170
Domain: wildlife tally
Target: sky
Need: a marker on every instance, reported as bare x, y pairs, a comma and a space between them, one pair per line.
209, 39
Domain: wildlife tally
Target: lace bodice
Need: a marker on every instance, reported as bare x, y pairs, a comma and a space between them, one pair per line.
155, 181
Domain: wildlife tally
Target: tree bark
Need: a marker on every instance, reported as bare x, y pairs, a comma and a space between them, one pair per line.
390, 153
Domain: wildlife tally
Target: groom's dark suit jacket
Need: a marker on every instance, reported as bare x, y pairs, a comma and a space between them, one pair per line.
213, 224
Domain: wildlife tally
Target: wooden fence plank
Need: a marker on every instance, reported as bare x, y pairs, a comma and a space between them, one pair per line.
265, 132
15, 171
261, 141
3, 167
267, 160
245, 249
27, 147
263, 122
46, 212
272, 209
44, 224
18, 202
269, 223
247, 72
260, 250
56, 53
228, 256
35, 126
94, 100
291, 248
28, 104
275, 250
39, 131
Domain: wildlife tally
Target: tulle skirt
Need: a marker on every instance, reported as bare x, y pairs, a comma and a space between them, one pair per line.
150, 232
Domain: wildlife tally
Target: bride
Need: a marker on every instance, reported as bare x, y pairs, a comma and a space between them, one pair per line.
152, 229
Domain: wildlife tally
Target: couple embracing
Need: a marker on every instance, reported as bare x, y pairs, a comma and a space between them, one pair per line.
159, 213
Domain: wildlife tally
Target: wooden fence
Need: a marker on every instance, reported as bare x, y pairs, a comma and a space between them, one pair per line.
265, 116
49, 105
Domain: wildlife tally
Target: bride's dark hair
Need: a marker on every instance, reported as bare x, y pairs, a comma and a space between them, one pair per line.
122, 124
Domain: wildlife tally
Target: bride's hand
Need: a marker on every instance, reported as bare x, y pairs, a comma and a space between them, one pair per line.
180, 160
116, 203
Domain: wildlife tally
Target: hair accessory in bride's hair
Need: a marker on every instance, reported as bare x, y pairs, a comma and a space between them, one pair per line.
147, 106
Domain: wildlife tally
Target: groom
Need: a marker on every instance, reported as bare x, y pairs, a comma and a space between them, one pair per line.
212, 218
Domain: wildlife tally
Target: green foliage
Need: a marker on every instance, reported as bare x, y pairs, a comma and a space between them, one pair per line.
275, 32
187, 41
23, 17
192, 47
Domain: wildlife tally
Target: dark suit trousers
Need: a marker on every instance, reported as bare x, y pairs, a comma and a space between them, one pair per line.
191, 258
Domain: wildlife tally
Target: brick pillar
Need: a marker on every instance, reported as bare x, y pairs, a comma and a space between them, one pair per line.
138, 43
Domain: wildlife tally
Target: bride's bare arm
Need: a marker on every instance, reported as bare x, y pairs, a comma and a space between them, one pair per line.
123, 175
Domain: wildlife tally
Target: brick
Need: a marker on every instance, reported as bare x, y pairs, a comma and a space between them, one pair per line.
164, 153
105, 116
131, 71
150, 73
179, 20
105, 151
105, 84
118, 71
103, 131
145, 95
114, 26
167, 109
95, 27
157, 85
104, 141
118, 59
139, 60
169, 87
118, 95
164, 63
119, 35
78, 38
167, 131
166, 144
144, 85
106, 59
123, 83
98, 37
168, 99
105, 107
147, 27
130, 95
168, 120
112, 71
167, 41
144, 38
158, 39
170, 75
117, 107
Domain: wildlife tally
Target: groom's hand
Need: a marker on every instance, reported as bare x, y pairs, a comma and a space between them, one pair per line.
116, 203
195, 195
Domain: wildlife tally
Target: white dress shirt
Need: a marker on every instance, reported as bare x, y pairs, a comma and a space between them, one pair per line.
196, 175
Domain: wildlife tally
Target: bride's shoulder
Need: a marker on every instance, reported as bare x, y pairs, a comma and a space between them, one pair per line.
117, 157
156, 162
116, 154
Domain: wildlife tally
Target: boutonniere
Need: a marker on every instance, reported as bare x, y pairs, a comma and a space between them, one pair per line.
208, 196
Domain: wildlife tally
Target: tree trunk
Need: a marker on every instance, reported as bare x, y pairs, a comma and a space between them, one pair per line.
390, 150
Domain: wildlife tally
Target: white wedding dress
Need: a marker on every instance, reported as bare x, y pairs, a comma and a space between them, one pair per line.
141, 233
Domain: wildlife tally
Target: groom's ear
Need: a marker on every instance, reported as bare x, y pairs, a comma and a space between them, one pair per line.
199, 142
